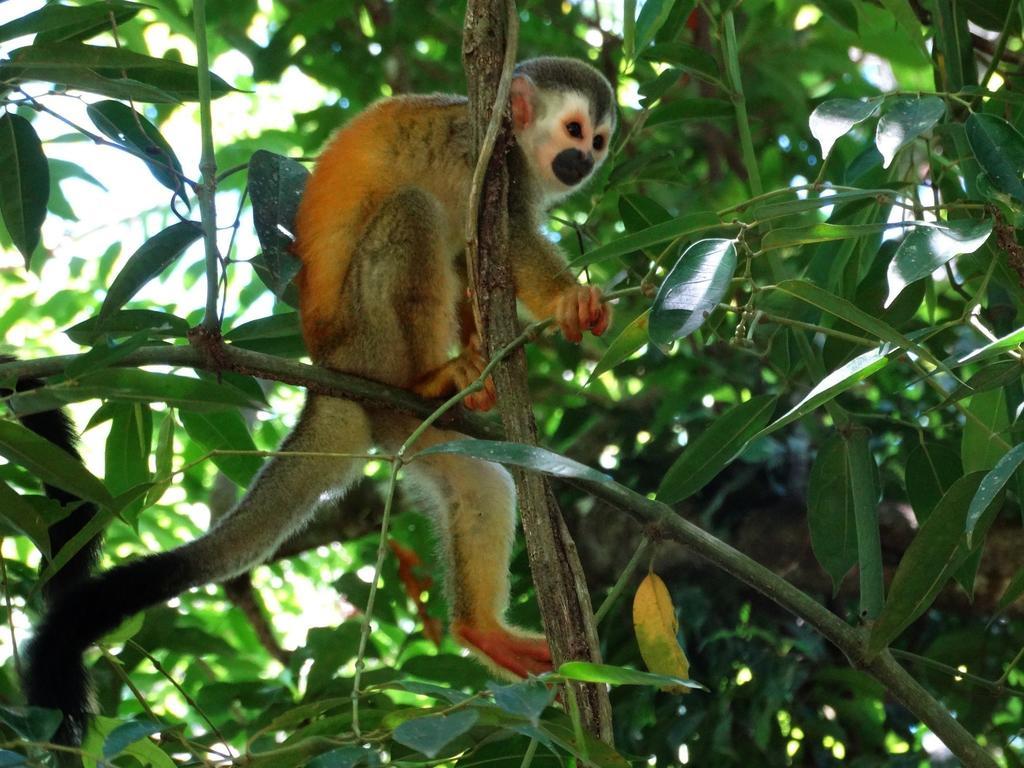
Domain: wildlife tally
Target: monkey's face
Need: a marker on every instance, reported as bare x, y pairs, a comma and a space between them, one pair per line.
561, 142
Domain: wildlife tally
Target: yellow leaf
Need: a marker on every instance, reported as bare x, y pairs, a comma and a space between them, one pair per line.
654, 621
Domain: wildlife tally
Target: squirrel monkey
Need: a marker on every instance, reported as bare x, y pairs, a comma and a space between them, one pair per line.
383, 295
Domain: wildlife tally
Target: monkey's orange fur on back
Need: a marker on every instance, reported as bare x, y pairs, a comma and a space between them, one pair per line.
383, 293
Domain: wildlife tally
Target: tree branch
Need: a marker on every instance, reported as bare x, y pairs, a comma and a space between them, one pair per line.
561, 588
313, 378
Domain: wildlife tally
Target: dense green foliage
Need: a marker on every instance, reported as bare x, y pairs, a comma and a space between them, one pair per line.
812, 219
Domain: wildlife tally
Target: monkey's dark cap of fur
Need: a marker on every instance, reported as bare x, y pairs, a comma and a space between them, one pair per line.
558, 73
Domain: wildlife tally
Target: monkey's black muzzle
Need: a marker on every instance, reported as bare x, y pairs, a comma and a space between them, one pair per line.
572, 166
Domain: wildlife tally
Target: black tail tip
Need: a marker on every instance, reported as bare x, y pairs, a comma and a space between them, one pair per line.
55, 678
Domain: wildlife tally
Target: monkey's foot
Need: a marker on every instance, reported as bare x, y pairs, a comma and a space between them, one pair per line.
505, 650
580, 309
456, 375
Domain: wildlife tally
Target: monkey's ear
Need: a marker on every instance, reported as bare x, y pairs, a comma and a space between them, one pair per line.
522, 102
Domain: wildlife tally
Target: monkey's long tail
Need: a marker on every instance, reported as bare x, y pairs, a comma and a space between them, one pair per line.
55, 675
56, 427
81, 607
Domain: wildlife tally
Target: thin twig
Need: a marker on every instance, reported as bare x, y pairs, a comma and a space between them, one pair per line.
623, 580
207, 188
364, 633
178, 687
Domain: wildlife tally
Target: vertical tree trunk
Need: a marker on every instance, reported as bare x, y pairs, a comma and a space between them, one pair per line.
561, 589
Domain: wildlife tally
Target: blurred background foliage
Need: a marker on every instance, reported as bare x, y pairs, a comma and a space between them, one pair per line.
262, 667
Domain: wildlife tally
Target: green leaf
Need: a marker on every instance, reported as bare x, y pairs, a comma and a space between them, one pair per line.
842, 12
846, 310
93, 528
155, 255
985, 437
346, 757
10, 759
124, 125
679, 228
124, 631
629, 29
692, 290
906, 20
1009, 341
275, 335
559, 729
813, 201
128, 322
685, 56
653, 89
128, 733
715, 448
144, 751
56, 23
1013, 592
275, 186
999, 149
31, 723
993, 375
830, 510
49, 463
24, 182
108, 71
991, 486
164, 459
127, 451
587, 672
224, 430
104, 354
832, 385
135, 386
516, 454
834, 118
638, 212
652, 18
526, 699
931, 469
432, 733
928, 563
928, 247
863, 474
24, 518
690, 109
441, 692
632, 338
787, 237
906, 119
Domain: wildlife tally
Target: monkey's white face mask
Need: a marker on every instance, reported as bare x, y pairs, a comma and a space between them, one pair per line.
555, 131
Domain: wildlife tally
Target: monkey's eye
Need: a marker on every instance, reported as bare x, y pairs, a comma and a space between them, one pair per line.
599, 142
575, 129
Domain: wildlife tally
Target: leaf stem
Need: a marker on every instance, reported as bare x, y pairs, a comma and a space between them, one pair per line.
996, 686
620, 584
364, 632
730, 52
997, 54
531, 750
780, 320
